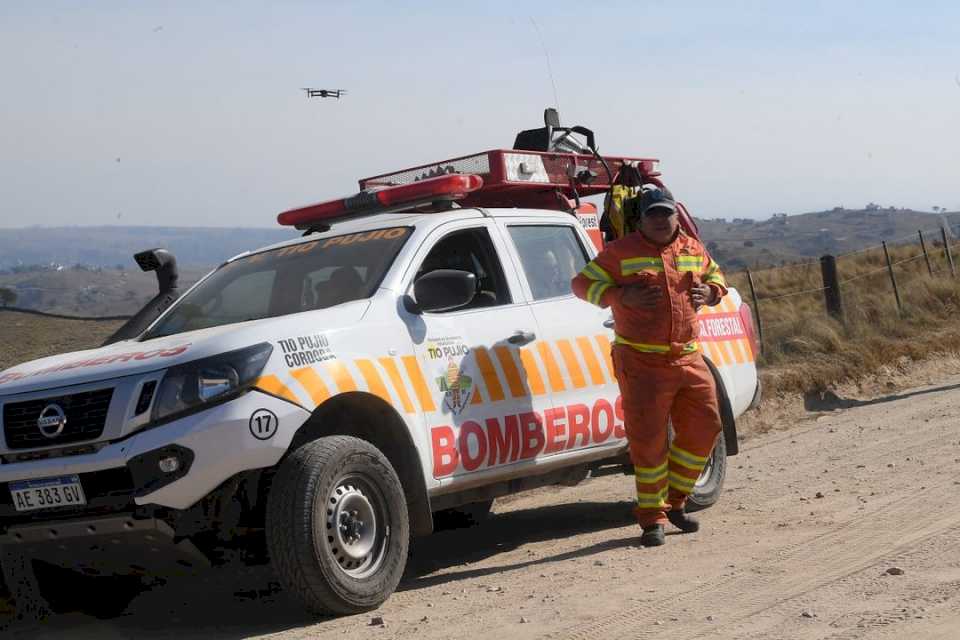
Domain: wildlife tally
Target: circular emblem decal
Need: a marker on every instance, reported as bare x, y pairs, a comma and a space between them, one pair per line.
263, 424
52, 420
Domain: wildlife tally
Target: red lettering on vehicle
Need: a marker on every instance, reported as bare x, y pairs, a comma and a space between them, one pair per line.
92, 362
601, 431
578, 424
472, 457
556, 429
531, 427
618, 431
445, 458
721, 327
504, 443
472, 445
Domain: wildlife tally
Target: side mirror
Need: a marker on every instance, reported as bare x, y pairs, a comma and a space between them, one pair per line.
444, 290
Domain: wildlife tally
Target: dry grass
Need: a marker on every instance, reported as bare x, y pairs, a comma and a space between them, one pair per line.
26, 337
806, 350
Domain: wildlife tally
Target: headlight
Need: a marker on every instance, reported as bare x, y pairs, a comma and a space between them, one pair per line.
187, 386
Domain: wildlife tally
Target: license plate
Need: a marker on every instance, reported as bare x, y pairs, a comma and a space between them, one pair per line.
47, 493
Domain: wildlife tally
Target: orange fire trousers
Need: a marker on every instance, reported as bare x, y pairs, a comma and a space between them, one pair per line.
655, 391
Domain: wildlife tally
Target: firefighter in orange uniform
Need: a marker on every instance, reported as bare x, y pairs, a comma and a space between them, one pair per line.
654, 280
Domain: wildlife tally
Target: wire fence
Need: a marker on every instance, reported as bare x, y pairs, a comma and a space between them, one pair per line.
898, 258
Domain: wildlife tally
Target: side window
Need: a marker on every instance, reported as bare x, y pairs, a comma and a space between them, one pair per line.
551, 256
471, 250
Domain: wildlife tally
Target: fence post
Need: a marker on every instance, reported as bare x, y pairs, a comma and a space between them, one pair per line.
926, 256
831, 286
893, 278
946, 250
756, 308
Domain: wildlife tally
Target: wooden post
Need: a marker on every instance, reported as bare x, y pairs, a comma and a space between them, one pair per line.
831, 286
926, 256
946, 250
756, 308
893, 278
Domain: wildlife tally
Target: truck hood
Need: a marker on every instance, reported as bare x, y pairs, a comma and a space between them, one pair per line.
132, 357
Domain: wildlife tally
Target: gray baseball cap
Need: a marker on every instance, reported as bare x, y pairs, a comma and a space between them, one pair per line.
656, 198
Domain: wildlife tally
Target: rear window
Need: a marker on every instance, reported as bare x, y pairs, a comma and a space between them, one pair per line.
301, 277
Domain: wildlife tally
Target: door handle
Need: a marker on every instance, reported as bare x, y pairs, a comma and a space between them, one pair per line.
522, 337
608, 323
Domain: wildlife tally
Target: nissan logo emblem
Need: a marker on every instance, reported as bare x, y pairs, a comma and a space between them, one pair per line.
52, 420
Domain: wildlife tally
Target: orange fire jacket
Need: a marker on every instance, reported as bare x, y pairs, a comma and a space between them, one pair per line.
670, 328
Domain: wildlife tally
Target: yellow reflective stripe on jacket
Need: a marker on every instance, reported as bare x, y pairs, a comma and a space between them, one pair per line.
636, 265
596, 272
650, 475
713, 275
690, 263
596, 290
686, 459
690, 347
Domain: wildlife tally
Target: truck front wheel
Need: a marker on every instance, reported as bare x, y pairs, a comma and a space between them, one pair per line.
337, 525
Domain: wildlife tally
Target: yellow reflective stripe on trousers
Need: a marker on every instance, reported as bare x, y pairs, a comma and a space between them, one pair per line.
596, 272
652, 500
690, 347
596, 290
686, 459
636, 265
682, 483
650, 475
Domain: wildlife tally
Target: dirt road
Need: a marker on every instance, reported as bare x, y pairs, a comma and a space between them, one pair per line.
842, 526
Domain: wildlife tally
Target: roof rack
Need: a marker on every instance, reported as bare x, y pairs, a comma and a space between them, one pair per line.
496, 178
527, 179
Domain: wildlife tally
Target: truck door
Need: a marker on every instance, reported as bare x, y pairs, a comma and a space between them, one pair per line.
487, 391
574, 338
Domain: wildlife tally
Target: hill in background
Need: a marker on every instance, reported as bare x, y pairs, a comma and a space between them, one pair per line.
739, 243
90, 270
111, 246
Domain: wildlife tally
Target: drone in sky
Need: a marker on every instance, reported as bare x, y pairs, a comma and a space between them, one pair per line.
324, 93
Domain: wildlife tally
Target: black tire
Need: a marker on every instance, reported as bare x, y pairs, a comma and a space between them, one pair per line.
710, 484
350, 567
467, 515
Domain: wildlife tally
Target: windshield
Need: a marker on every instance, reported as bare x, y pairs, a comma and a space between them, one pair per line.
295, 278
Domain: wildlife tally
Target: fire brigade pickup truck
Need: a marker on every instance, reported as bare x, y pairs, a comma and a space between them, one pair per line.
417, 350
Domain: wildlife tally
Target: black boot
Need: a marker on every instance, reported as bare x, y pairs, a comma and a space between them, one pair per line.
652, 536
682, 521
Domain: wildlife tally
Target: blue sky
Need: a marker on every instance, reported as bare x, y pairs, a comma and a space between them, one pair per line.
129, 113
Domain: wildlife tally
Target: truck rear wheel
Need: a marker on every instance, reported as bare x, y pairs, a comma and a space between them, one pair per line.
337, 526
710, 483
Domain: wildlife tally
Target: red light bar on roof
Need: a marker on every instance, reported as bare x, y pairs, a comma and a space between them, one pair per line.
531, 179
402, 197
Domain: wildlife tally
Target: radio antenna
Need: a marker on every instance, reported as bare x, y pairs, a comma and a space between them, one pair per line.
546, 54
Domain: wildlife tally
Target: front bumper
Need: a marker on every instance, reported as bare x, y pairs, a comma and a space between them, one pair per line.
221, 439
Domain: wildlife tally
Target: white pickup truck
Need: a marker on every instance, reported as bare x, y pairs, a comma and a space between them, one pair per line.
326, 396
